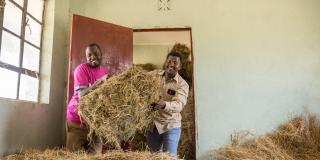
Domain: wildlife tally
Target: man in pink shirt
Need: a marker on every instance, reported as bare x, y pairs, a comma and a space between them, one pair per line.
86, 76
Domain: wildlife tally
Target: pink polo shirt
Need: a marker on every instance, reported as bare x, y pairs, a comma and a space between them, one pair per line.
84, 75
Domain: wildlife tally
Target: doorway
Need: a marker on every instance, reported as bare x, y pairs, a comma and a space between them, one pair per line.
150, 48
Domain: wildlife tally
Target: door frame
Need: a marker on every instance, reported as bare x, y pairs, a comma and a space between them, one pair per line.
192, 59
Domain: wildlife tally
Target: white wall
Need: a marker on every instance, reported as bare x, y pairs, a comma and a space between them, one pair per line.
256, 61
31, 125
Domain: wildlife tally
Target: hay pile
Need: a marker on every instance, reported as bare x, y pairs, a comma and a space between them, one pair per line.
147, 66
60, 154
118, 108
298, 139
139, 142
183, 50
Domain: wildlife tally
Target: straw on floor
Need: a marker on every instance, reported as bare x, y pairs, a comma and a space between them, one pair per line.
61, 154
297, 139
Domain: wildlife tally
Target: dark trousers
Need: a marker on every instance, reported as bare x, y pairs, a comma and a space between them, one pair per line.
77, 139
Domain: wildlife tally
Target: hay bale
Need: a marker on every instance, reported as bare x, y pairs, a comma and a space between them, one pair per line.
57, 154
186, 72
298, 139
147, 66
118, 108
139, 142
183, 49
261, 148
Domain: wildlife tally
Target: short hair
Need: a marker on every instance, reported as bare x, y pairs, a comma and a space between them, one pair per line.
174, 54
94, 45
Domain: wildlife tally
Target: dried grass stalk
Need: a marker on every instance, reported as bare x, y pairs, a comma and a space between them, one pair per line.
139, 142
186, 72
118, 108
298, 139
147, 66
60, 154
183, 49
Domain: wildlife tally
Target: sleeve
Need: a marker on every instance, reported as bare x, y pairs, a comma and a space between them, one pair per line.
179, 100
106, 71
105, 74
81, 79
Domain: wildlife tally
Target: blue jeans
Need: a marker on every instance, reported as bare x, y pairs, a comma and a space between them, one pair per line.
167, 141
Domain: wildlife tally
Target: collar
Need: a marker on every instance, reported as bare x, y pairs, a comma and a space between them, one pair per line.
176, 77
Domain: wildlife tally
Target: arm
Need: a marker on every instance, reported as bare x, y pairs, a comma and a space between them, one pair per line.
83, 90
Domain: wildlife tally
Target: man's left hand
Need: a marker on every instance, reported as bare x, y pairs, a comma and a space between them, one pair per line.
160, 105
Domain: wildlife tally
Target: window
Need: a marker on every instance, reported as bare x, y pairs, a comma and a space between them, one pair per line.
20, 45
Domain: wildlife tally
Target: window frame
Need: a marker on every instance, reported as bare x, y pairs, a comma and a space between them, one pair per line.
20, 70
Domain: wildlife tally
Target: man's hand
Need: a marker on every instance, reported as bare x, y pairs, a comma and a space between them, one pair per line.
160, 105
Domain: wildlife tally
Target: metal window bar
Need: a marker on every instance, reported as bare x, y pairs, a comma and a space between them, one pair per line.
25, 71
20, 37
22, 8
2, 3
16, 4
23, 24
34, 18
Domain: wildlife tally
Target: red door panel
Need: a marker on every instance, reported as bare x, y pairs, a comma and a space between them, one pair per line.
116, 43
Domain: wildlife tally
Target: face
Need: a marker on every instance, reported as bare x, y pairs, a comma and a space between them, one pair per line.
93, 56
172, 66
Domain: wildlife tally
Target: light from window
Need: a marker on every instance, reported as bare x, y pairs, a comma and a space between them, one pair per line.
20, 48
31, 57
20, 2
10, 49
12, 18
8, 85
28, 88
33, 31
35, 8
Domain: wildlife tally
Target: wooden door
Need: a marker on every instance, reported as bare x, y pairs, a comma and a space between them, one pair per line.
116, 43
